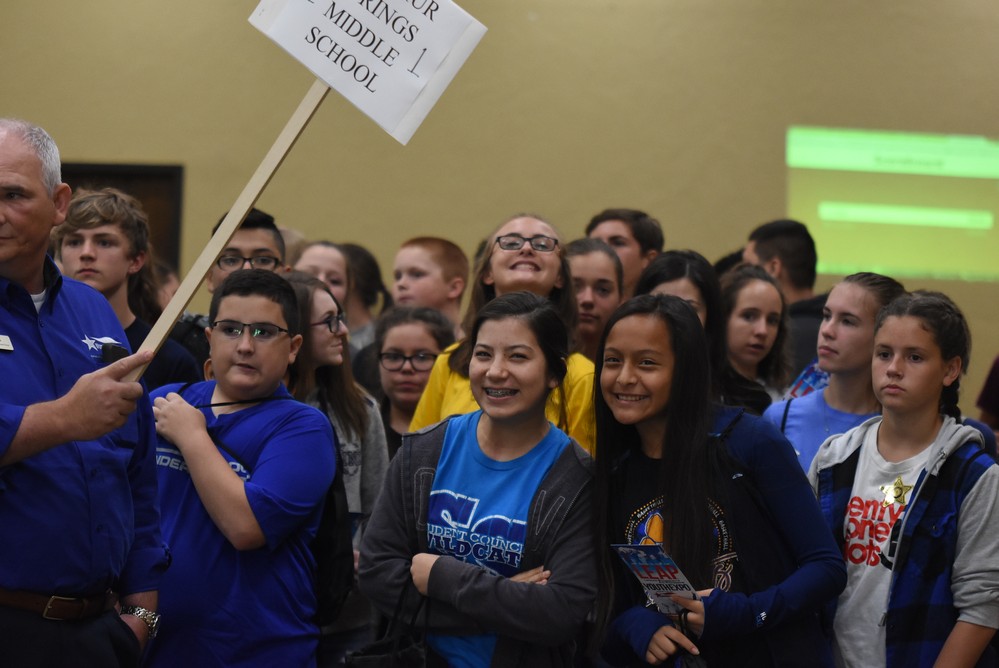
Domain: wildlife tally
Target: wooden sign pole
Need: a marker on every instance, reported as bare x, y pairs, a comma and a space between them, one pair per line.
275, 156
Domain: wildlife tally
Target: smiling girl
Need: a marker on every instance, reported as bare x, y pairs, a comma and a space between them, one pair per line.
488, 513
911, 499
321, 377
524, 254
733, 509
845, 346
687, 274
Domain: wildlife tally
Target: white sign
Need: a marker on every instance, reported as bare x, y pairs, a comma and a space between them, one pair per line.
391, 58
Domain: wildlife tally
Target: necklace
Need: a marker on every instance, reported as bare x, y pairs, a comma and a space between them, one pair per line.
183, 387
825, 414
240, 402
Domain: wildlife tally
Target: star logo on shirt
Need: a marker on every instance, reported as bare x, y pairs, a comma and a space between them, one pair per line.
96, 343
895, 492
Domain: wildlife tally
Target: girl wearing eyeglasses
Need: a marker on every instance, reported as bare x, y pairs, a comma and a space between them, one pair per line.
524, 254
408, 340
321, 376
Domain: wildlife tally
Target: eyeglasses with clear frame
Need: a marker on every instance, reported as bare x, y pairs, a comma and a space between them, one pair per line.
259, 331
419, 361
233, 262
539, 242
334, 323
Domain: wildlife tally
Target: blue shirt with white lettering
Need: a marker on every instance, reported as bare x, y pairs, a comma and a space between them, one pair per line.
477, 513
254, 607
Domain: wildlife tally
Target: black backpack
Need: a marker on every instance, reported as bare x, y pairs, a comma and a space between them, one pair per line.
332, 547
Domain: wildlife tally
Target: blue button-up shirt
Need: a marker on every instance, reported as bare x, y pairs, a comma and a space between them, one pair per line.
80, 517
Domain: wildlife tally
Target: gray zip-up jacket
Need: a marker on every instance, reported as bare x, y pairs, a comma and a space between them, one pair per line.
945, 569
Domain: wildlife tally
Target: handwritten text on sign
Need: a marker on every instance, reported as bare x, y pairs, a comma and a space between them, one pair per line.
391, 58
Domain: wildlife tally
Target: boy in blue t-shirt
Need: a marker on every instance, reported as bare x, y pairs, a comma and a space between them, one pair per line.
243, 470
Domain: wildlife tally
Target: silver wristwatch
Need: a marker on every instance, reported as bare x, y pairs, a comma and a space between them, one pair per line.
152, 619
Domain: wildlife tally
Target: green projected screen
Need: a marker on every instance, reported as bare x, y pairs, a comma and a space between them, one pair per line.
903, 204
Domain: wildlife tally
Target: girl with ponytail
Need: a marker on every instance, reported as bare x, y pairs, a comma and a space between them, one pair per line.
845, 346
911, 497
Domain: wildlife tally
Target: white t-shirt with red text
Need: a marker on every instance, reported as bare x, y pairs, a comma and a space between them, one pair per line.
881, 492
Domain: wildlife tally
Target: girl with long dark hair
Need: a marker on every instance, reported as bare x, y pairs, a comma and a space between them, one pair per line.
733, 510
757, 328
687, 274
321, 376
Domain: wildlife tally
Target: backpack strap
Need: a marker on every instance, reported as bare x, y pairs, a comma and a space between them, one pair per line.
724, 433
787, 409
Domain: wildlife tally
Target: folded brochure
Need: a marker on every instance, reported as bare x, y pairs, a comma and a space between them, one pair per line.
658, 573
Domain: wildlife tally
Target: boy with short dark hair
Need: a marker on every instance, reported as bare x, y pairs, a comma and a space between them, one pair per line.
257, 244
786, 250
243, 471
635, 236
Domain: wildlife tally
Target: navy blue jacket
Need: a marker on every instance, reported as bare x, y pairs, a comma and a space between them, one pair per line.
788, 566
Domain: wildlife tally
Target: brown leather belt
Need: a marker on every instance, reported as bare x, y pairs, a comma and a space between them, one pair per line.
60, 608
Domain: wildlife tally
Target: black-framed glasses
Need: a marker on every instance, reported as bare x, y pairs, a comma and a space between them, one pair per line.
233, 262
259, 331
539, 242
395, 361
334, 323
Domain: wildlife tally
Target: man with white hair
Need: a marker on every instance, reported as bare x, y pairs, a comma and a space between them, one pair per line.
78, 516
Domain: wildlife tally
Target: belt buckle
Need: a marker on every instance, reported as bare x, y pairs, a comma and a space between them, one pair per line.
48, 606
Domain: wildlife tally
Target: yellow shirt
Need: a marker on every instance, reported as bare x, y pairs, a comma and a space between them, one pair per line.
449, 393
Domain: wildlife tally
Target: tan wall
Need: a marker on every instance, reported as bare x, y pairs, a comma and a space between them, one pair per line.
678, 107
